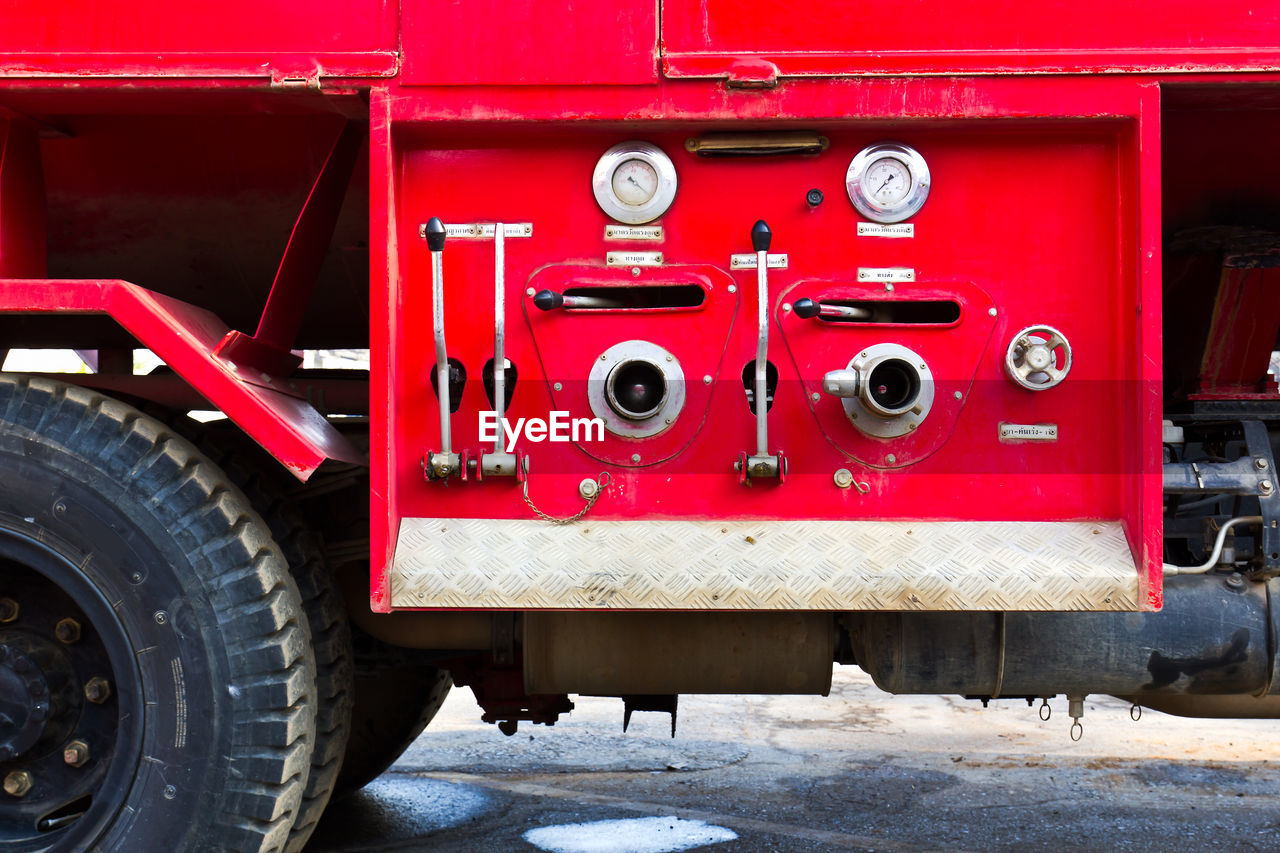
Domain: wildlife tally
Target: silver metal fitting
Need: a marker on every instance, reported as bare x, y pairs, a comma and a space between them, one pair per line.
1037, 358
637, 389
887, 390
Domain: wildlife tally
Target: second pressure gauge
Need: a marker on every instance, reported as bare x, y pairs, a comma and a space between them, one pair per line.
634, 182
888, 182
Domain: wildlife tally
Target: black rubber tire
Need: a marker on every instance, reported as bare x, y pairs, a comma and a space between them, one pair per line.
217, 655
396, 695
265, 483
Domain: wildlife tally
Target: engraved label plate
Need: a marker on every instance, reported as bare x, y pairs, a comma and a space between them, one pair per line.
886, 274
748, 261
479, 230
875, 229
633, 232
633, 259
1028, 432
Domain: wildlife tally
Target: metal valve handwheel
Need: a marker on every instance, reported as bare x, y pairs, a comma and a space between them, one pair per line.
1038, 358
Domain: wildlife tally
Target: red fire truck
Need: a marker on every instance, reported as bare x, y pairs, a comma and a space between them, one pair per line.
710, 344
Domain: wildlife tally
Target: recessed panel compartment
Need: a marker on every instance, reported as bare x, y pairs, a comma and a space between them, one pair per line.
936, 385
640, 355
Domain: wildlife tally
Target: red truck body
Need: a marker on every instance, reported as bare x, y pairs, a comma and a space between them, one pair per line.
231, 185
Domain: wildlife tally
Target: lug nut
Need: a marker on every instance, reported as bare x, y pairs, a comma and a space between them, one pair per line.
76, 753
17, 783
97, 690
1260, 464
67, 631
1265, 486
8, 609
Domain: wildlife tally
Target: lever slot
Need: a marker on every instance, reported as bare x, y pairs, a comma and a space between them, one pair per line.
622, 298
510, 374
770, 381
897, 312
454, 387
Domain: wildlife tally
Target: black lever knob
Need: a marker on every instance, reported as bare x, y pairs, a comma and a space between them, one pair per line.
547, 300
806, 308
761, 236
434, 232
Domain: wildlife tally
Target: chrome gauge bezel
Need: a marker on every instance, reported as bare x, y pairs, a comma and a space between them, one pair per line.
863, 201
616, 208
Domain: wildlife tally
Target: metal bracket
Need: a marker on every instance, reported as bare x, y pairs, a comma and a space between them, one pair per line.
1258, 443
659, 703
1252, 474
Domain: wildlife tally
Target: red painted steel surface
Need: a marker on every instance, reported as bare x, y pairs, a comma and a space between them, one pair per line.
1242, 335
529, 42
148, 38
705, 38
185, 337
1029, 217
696, 337
1053, 184
22, 208
954, 352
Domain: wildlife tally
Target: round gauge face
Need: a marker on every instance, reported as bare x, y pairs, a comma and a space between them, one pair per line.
888, 182
634, 182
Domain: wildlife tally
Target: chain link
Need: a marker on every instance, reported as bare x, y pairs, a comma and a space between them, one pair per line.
602, 483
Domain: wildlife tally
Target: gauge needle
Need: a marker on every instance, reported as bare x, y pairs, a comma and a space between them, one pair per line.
886, 183
634, 181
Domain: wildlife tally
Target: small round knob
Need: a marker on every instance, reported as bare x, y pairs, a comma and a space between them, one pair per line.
761, 236
547, 300
806, 308
434, 232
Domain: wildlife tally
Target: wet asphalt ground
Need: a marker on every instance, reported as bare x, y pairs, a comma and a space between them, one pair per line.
858, 770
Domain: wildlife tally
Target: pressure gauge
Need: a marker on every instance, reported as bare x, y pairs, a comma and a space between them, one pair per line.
634, 182
888, 182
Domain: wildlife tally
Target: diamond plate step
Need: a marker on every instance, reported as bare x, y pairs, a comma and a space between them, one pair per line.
763, 565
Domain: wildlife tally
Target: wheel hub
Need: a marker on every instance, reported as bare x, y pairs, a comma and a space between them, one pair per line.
24, 702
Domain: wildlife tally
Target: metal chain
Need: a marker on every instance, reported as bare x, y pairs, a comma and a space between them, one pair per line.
602, 483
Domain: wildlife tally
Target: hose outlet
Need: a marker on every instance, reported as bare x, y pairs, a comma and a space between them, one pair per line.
892, 387
887, 390
636, 389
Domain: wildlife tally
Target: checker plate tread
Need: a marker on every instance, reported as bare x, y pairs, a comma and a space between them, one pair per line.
763, 565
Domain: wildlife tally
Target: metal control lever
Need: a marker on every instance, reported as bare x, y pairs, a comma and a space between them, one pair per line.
761, 464
807, 308
499, 463
445, 464
549, 300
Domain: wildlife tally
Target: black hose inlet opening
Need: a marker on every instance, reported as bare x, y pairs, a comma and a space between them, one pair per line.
892, 387
636, 389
